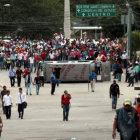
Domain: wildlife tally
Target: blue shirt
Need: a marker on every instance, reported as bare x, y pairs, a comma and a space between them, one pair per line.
53, 79
92, 76
12, 73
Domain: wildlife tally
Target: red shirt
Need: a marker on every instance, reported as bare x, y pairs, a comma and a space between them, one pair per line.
26, 72
37, 58
138, 110
65, 100
43, 55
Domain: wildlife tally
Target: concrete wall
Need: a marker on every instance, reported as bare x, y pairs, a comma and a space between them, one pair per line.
106, 73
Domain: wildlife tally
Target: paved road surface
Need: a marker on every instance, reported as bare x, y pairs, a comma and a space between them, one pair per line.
90, 117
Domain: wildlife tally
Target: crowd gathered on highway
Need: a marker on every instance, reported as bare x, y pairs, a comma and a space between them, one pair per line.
22, 57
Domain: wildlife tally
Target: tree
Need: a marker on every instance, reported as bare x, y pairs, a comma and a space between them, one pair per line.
136, 41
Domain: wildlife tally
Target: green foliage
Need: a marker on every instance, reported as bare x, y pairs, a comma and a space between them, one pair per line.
33, 17
136, 40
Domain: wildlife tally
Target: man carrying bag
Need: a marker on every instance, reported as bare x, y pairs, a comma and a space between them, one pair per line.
21, 103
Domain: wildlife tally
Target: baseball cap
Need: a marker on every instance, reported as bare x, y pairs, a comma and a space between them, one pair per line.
127, 102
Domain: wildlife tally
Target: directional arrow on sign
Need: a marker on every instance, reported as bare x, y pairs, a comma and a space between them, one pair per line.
83, 14
78, 10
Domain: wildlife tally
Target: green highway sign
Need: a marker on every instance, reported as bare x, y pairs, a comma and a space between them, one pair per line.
97, 10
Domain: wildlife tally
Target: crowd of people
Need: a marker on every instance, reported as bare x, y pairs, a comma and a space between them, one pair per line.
27, 54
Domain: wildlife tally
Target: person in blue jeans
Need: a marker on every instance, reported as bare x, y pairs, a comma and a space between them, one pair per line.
119, 72
114, 94
37, 82
28, 81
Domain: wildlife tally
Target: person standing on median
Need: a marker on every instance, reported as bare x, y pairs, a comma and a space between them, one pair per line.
114, 94
92, 79
65, 104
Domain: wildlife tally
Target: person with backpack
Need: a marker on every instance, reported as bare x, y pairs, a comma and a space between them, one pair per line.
126, 121
65, 104
114, 94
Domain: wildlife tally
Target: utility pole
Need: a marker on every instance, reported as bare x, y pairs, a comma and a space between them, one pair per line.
129, 32
67, 24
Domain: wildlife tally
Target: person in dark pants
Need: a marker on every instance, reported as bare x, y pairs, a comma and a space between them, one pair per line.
57, 72
131, 78
126, 120
20, 99
7, 100
53, 83
127, 74
119, 72
37, 82
19, 72
41, 75
114, 94
3, 92
12, 75
65, 104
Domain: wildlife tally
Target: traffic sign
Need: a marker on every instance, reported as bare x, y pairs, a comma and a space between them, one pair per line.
97, 10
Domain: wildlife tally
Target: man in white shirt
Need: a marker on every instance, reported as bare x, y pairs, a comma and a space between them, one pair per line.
20, 58
124, 58
131, 78
31, 59
7, 100
20, 99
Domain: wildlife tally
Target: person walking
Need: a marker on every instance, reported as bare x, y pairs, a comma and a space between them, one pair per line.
53, 83
28, 80
25, 73
137, 70
1, 125
98, 66
65, 104
41, 75
131, 79
125, 121
7, 100
3, 92
114, 94
137, 108
119, 72
92, 79
57, 70
19, 72
37, 82
12, 75
20, 99
31, 59
127, 73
